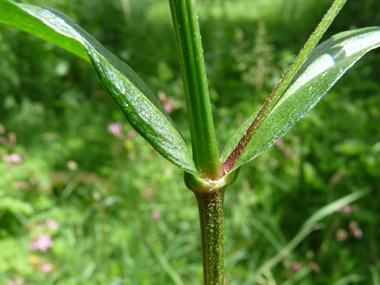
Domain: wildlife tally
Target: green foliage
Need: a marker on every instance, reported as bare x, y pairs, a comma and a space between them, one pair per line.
135, 99
105, 207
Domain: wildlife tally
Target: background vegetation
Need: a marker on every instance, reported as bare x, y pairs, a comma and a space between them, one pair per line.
85, 203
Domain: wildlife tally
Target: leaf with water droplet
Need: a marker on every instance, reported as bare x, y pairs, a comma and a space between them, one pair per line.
138, 103
324, 66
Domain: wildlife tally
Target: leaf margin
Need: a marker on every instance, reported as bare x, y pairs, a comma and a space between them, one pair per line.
312, 58
29, 17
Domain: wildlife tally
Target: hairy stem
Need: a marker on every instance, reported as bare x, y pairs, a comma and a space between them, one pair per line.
211, 212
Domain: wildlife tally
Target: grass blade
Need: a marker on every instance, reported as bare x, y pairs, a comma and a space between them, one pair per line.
308, 226
375, 275
349, 279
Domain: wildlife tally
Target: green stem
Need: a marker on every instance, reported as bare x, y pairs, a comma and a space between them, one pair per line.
186, 27
211, 212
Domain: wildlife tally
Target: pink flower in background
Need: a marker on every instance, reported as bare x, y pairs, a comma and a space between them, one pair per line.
168, 107
355, 230
296, 266
46, 267
42, 243
358, 233
166, 101
51, 223
15, 158
348, 209
314, 266
131, 134
116, 129
155, 215
279, 143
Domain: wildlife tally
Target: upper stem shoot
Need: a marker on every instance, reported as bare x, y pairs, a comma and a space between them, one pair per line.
186, 27
284, 82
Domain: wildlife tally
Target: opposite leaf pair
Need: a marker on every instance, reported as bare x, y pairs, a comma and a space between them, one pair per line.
313, 73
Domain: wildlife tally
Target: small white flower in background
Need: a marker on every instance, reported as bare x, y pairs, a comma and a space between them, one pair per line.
42, 243
116, 129
72, 165
341, 234
16, 281
15, 158
51, 223
162, 96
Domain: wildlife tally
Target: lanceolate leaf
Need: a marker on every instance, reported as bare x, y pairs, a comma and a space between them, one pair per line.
284, 83
133, 96
324, 66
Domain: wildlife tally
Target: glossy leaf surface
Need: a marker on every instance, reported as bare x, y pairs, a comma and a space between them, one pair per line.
324, 66
132, 95
277, 92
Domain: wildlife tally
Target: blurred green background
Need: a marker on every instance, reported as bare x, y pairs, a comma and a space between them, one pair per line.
82, 205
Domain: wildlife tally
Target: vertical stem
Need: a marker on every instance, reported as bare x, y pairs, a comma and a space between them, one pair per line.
211, 212
188, 38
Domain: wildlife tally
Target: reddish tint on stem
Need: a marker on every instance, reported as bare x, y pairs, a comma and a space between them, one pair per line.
231, 160
233, 157
284, 82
